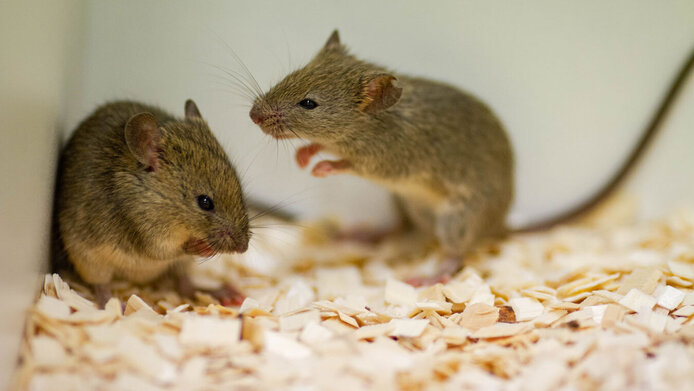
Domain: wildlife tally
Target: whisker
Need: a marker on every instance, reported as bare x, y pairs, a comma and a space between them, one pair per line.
238, 60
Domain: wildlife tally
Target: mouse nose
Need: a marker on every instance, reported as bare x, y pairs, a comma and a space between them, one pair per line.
242, 246
256, 116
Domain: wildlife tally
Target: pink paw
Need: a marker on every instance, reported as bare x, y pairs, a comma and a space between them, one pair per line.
328, 167
229, 296
305, 153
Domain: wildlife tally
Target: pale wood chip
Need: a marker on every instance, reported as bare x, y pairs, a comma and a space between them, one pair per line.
674, 280
337, 281
134, 304
74, 300
455, 335
637, 301
579, 316
299, 295
483, 295
613, 314
644, 279
348, 319
535, 294
685, 311
613, 297
145, 359
372, 331
48, 352
688, 298
479, 315
252, 331
564, 305
525, 308
52, 308
284, 346
674, 325
249, 304
337, 326
440, 306
207, 331
687, 331
431, 293
314, 333
400, 293
670, 297
585, 284
682, 270
578, 297
652, 320
597, 311
297, 321
168, 346
458, 292
501, 330
408, 327
326, 305
548, 318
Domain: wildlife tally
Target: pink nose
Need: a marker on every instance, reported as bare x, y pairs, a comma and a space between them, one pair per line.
256, 117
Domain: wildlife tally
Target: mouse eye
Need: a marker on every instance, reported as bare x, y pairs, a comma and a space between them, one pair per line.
308, 104
205, 202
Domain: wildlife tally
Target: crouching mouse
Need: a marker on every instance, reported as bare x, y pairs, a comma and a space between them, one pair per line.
141, 192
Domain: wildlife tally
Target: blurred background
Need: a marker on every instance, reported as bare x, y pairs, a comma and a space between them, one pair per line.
574, 83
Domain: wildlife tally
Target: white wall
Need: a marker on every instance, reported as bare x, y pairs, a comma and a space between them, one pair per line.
38, 41
574, 82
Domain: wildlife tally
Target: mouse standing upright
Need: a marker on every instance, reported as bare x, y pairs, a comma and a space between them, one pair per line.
141, 192
441, 151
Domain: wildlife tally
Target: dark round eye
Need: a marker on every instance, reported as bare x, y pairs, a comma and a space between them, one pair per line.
205, 202
308, 104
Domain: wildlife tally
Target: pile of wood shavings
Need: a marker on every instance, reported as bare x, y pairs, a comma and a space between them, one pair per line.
574, 309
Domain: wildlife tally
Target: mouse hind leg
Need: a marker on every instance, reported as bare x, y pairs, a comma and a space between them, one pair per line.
458, 227
227, 295
93, 266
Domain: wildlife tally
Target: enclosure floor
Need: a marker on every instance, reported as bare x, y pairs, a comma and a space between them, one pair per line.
573, 309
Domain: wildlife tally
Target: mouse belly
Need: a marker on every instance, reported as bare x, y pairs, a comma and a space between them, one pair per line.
142, 270
99, 265
416, 191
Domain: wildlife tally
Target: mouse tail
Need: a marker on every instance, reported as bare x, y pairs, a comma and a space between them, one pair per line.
626, 168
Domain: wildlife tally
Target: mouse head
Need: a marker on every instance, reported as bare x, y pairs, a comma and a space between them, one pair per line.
320, 101
189, 186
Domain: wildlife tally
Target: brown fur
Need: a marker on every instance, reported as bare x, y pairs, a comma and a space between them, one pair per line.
440, 150
129, 209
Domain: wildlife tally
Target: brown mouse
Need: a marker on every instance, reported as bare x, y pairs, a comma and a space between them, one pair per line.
441, 151
141, 193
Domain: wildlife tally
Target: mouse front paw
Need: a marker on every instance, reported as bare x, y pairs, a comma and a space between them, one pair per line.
330, 167
305, 153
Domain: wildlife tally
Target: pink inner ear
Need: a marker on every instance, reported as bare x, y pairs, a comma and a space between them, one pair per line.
142, 136
151, 154
380, 94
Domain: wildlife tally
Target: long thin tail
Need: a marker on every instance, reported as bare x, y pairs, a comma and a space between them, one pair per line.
626, 168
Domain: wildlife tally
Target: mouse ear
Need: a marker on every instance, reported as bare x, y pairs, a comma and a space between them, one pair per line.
333, 43
379, 94
192, 111
142, 135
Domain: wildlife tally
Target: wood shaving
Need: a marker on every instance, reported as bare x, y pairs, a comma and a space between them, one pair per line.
574, 308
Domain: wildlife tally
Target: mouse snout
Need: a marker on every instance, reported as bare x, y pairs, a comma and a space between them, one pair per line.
257, 116
242, 246
238, 243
